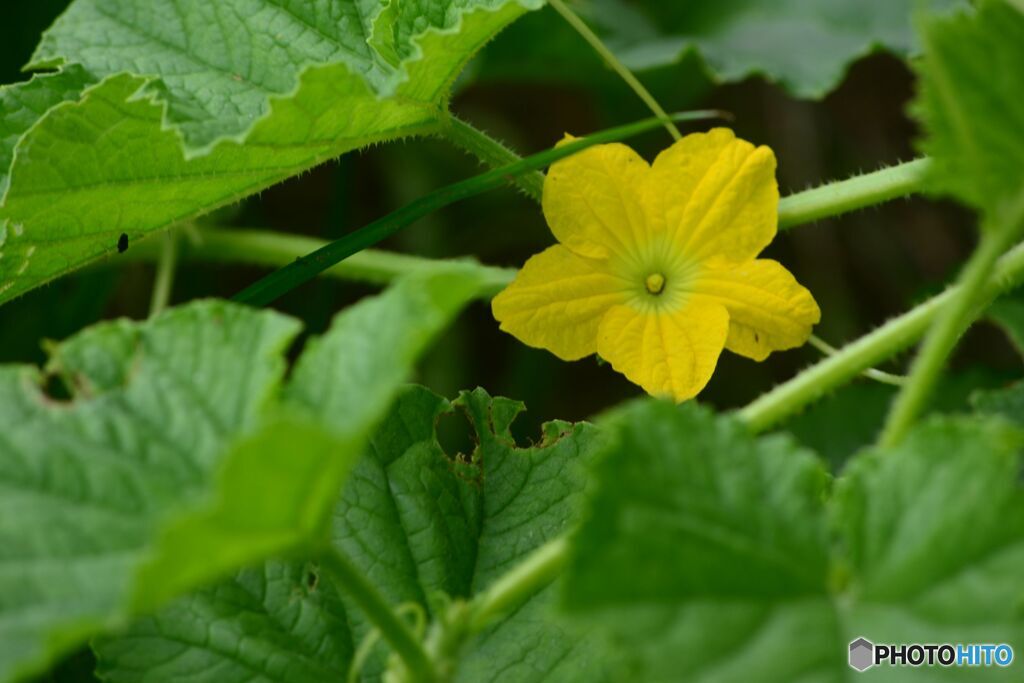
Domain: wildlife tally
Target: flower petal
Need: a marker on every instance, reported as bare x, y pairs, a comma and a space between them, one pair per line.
595, 201
557, 301
667, 353
719, 195
768, 309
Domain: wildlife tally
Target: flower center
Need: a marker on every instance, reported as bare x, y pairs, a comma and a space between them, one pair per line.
655, 283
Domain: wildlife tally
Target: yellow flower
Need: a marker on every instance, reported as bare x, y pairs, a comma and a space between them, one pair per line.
657, 270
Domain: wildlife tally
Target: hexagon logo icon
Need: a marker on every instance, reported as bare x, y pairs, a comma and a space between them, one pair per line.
862, 654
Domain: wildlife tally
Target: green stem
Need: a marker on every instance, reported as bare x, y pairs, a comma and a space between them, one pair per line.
883, 343
956, 316
304, 269
625, 74
854, 193
831, 199
348, 579
277, 249
165, 267
871, 373
492, 153
514, 587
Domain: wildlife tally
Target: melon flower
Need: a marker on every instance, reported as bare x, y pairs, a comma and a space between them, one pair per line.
657, 267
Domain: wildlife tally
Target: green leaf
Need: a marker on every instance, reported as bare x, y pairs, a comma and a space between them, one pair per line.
179, 126
277, 622
933, 532
217, 66
806, 46
181, 458
23, 104
740, 572
696, 539
427, 527
266, 505
87, 485
969, 104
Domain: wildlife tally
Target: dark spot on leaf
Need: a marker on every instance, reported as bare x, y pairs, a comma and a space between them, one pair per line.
756, 338
122, 243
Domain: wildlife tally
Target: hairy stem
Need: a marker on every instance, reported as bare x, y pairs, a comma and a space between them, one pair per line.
853, 193
956, 316
492, 153
277, 249
165, 267
514, 587
826, 201
871, 373
609, 57
396, 632
886, 341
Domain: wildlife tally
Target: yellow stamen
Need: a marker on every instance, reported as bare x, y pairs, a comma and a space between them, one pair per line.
655, 283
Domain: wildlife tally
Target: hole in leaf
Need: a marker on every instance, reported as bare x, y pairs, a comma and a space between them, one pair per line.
55, 389
456, 436
312, 577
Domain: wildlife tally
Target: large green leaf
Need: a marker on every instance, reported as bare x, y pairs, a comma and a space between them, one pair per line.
702, 550
426, 527
970, 105
804, 45
218, 64
86, 485
181, 457
339, 389
203, 103
705, 553
933, 536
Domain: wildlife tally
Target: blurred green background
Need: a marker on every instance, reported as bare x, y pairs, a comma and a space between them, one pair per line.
863, 268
